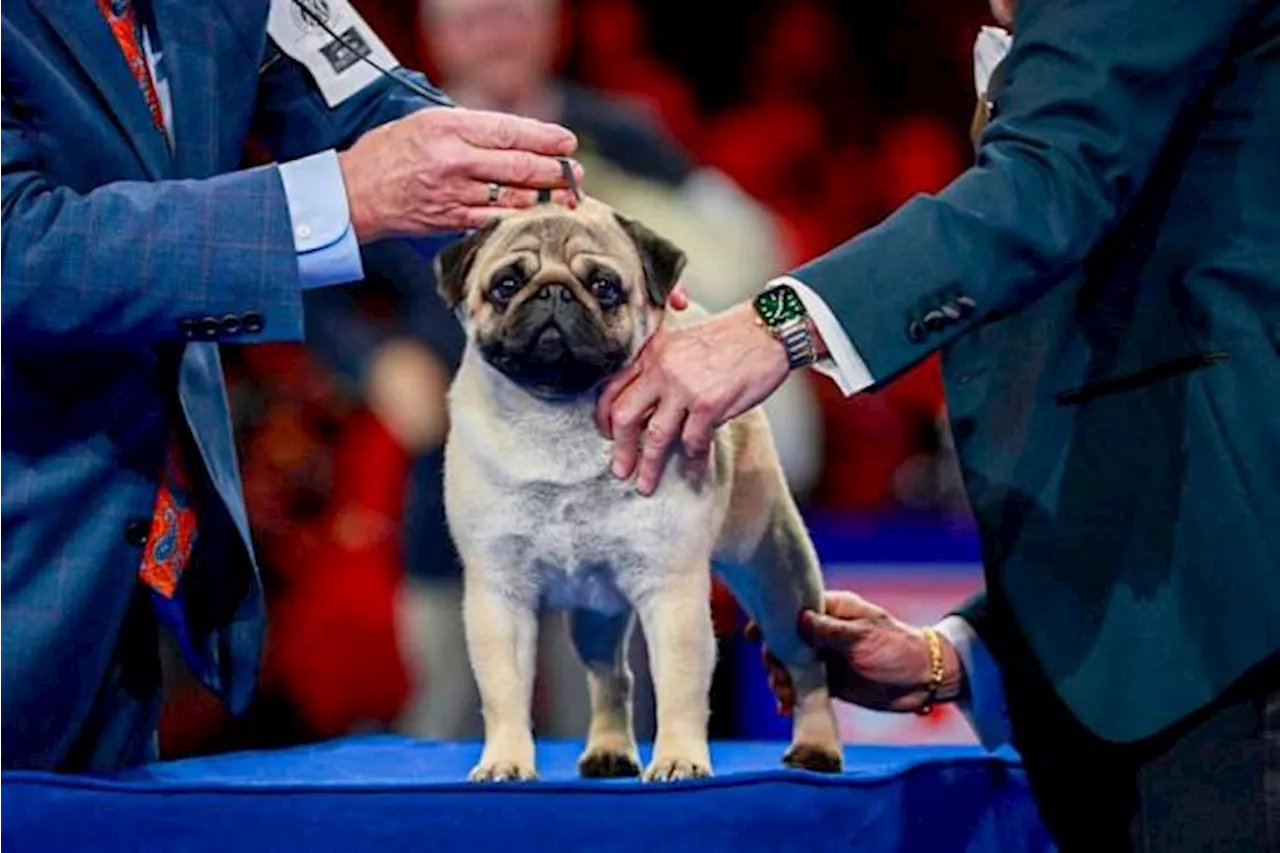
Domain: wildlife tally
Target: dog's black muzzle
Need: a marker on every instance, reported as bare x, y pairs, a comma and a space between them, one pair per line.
553, 346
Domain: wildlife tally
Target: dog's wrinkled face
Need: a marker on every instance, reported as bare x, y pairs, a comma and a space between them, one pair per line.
558, 299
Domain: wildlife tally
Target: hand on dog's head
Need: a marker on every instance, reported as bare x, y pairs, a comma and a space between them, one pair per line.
558, 299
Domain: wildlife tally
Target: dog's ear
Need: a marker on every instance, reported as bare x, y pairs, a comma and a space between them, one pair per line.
663, 261
453, 262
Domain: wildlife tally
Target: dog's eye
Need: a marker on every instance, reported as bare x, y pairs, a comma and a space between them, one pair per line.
504, 289
607, 292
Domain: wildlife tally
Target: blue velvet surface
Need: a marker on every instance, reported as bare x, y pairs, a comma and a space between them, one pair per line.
385, 793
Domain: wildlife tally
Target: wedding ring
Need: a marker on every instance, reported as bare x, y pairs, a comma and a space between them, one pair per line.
494, 190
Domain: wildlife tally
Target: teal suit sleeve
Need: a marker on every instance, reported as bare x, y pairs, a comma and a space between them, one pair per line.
1093, 91
974, 611
991, 626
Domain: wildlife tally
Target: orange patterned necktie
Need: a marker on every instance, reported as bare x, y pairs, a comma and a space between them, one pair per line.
173, 522
123, 21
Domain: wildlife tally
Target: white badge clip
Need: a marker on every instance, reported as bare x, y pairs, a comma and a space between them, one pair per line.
331, 39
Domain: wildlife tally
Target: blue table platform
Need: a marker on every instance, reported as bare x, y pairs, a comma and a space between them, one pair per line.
385, 793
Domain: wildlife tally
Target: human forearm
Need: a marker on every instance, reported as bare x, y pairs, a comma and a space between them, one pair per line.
145, 262
1078, 129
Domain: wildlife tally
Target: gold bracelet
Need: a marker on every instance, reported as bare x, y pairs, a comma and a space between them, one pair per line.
935, 669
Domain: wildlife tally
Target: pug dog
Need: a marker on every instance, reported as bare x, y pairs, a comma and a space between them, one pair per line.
555, 301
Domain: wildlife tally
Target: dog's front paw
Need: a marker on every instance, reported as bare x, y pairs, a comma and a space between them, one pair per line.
675, 769
804, 756
502, 771
602, 763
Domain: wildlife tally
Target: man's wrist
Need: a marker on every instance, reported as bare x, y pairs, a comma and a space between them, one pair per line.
819, 345
842, 362
942, 677
750, 315
363, 222
782, 313
953, 674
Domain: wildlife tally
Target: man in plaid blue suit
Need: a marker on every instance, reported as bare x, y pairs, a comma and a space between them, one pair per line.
132, 247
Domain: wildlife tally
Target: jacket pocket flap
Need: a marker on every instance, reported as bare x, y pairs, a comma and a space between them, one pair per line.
1128, 382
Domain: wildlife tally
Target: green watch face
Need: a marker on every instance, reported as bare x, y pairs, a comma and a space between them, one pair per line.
779, 305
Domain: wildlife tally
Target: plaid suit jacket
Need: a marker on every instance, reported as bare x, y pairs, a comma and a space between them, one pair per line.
124, 268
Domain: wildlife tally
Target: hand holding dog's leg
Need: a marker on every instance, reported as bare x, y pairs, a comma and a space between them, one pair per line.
781, 578
502, 638
815, 735
682, 656
602, 642
874, 659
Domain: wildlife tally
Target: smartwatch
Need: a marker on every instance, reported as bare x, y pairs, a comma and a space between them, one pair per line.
783, 315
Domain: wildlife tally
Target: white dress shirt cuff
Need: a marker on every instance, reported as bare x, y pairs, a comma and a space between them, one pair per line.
982, 703
328, 251
843, 364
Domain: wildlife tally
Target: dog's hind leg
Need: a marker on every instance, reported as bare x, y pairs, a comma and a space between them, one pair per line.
602, 643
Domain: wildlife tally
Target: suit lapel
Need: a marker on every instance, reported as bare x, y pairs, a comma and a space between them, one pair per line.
89, 41
202, 393
188, 34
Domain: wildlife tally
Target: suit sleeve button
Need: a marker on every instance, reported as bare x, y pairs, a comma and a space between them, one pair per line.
209, 327
252, 322
136, 532
230, 324
966, 305
935, 320
915, 332
187, 326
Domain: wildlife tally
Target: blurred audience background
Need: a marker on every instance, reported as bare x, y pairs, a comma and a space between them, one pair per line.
755, 135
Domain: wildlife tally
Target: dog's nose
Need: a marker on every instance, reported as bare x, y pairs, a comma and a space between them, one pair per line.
558, 292
550, 345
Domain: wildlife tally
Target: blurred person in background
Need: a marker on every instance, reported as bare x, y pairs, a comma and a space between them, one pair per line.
1103, 286
501, 55
392, 348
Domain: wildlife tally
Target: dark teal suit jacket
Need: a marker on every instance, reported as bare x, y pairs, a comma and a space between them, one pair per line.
1104, 286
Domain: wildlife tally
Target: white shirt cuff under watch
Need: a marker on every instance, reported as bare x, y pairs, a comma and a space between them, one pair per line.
843, 365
